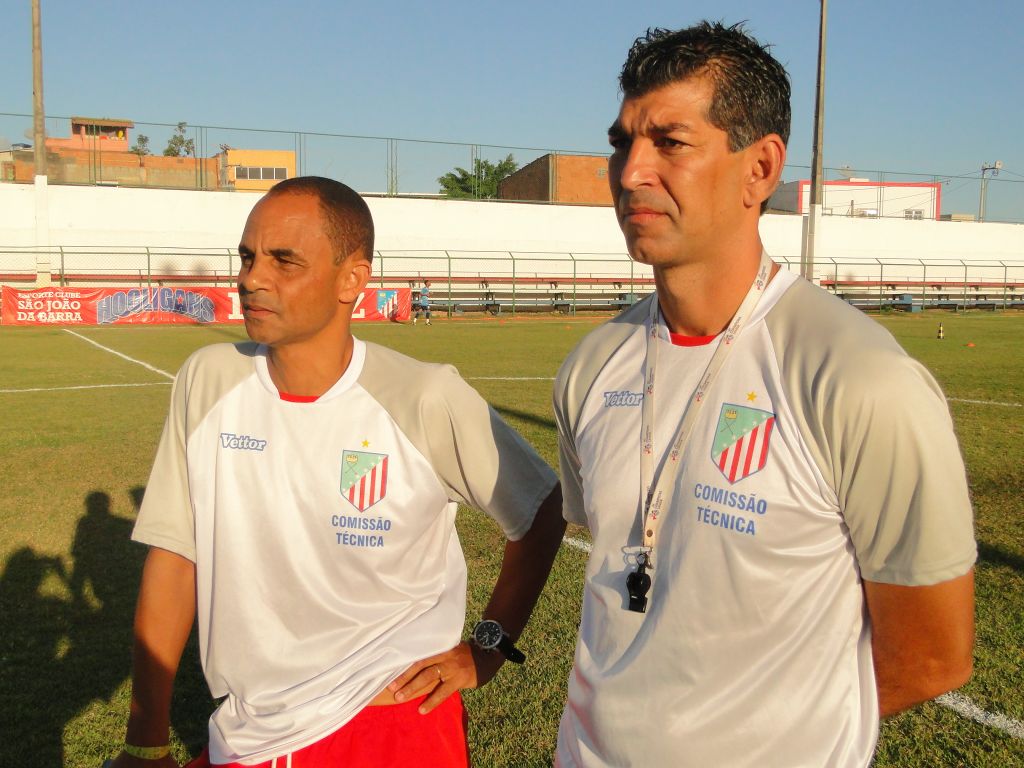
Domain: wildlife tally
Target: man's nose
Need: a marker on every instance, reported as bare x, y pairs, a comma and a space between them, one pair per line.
637, 168
251, 275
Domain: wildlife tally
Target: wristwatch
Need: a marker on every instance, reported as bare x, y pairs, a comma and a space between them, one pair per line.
489, 635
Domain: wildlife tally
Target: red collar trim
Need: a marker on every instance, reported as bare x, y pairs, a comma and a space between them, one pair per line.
691, 341
298, 398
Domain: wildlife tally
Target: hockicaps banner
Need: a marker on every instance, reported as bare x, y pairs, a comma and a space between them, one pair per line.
163, 305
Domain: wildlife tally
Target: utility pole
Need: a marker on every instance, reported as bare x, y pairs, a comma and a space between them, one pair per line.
39, 151
38, 115
984, 185
813, 220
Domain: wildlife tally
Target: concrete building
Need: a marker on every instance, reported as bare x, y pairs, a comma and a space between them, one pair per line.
554, 178
98, 151
862, 198
94, 134
253, 170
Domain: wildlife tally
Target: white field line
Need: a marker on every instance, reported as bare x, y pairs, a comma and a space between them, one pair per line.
580, 544
125, 357
964, 707
959, 703
984, 402
86, 386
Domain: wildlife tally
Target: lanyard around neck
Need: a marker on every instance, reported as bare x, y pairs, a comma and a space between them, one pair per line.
659, 487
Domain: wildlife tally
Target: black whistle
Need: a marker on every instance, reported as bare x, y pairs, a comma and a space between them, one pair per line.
638, 583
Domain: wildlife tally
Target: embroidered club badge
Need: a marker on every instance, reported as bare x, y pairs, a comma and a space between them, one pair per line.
364, 478
741, 441
387, 303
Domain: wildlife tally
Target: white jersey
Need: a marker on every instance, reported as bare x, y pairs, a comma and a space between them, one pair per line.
323, 533
823, 454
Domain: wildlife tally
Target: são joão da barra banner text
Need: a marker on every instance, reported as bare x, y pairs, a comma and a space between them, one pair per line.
163, 305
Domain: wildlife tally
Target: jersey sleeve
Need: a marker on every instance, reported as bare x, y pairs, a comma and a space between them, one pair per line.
880, 431
166, 517
480, 459
901, 481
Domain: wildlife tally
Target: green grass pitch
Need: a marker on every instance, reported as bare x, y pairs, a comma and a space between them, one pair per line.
75, 457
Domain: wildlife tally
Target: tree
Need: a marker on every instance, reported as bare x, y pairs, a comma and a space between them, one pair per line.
479, 184
178, 145
141, 145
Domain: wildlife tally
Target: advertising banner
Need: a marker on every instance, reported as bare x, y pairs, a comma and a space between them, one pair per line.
163, 305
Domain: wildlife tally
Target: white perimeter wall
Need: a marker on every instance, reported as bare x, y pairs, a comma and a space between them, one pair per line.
120, 217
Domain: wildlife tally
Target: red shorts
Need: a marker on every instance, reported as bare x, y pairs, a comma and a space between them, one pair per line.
382, 737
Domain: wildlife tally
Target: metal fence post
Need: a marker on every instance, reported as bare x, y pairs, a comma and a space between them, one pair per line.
881, 281
512, 256
573, 284
448, 258
965, 284
149, 269
1006, 282
63, 282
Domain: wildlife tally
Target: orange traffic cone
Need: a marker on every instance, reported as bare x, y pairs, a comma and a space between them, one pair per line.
941, 334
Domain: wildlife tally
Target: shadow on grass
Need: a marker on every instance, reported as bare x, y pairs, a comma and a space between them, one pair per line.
67, 637
991, 554
525, 416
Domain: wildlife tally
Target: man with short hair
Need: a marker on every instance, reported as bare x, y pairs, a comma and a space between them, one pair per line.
782, 536
302, 504
423, 305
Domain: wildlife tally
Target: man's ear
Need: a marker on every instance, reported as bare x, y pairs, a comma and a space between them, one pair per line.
356, 270
766, 158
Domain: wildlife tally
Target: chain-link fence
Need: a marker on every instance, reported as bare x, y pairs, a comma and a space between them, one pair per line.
234, 158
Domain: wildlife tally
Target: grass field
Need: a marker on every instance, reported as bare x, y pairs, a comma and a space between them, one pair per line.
75, 455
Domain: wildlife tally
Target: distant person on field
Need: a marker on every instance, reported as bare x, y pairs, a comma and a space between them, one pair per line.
424, 303
782, 535
302, 505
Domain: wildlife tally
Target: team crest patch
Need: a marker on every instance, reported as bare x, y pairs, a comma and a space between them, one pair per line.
364, 478
741, 441
387, 303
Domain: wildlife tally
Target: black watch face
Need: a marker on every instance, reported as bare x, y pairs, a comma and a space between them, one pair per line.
488, 634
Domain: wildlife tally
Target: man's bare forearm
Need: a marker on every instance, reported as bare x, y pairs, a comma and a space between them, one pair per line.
163, 620
922, 640
525, 567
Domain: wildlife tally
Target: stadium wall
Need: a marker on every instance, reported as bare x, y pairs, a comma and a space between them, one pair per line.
87, 216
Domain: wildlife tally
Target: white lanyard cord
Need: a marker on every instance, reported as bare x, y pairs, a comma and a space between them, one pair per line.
659, 487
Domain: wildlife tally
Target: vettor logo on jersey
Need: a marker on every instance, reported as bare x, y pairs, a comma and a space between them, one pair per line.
364, 478
741, 441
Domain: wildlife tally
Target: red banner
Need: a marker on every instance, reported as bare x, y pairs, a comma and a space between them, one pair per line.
104, 306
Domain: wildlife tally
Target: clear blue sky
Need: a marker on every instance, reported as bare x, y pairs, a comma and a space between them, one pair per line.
924, 86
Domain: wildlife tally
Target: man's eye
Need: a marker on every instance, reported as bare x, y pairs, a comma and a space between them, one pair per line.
667, 142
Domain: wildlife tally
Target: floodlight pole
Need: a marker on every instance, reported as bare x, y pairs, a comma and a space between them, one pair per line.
813, 220
994, 167
39, 152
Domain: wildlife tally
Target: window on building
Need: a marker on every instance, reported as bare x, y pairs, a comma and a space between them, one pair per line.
252, 173
916, 214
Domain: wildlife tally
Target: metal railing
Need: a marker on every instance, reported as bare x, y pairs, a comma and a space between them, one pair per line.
523, 279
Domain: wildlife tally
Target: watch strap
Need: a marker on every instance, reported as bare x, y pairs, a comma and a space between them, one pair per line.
509, 650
